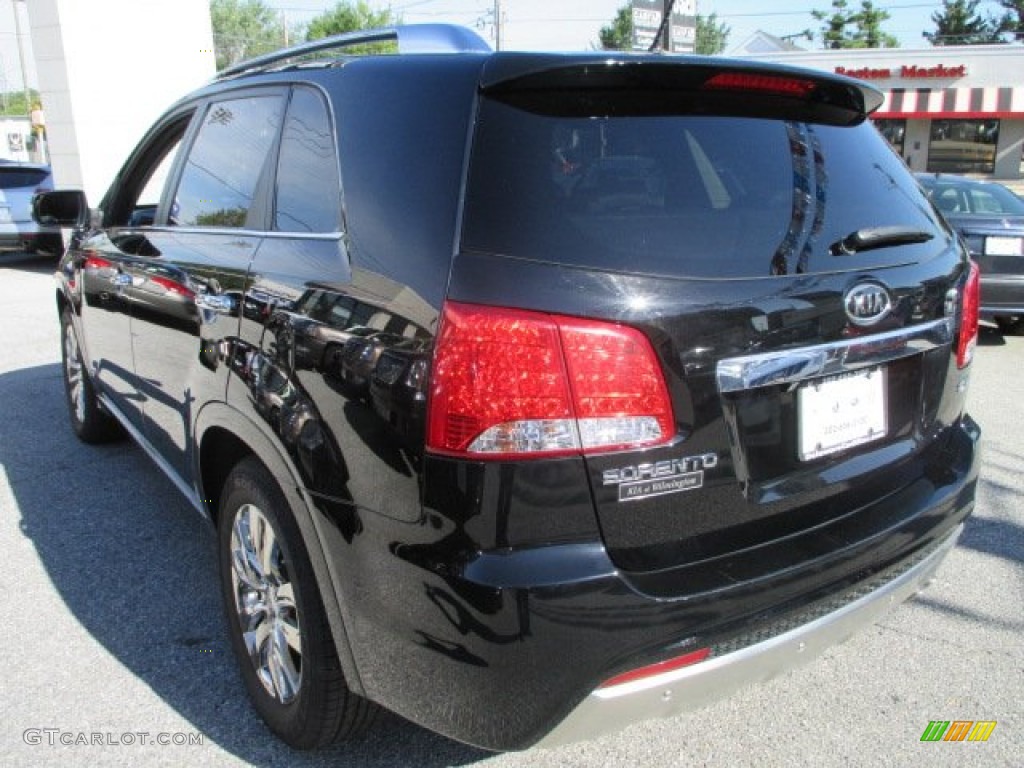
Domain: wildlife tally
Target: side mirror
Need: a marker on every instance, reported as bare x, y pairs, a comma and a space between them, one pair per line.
61, 208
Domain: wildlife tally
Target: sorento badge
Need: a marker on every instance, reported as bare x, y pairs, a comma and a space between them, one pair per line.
657, 478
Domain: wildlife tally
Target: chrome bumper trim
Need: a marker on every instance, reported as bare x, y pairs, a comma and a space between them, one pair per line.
609, 709
736, 374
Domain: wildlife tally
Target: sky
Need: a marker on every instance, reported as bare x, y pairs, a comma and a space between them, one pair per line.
569, 25
574, 24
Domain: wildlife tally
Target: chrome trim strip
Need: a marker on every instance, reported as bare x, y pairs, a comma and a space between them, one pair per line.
269, 235
675, 692
736, 374
165, 467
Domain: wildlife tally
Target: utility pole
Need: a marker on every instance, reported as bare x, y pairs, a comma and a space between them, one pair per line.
21, 57
497, 25
666, 40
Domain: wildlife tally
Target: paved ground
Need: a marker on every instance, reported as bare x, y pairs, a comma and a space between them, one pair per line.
113, 622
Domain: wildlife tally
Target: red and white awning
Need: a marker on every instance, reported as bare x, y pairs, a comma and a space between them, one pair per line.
926, 103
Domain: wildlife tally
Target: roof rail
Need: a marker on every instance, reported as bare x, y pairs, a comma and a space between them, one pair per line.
412, 38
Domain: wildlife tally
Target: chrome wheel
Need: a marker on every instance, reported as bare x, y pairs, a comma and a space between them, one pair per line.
73, 373
265, 603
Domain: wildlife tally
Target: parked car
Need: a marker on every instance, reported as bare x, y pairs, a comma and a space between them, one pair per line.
19, 182
359, 357
990, 218
398, 389
694, 402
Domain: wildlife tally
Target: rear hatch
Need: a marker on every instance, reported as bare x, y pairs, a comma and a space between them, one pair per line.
791, 278
18, 184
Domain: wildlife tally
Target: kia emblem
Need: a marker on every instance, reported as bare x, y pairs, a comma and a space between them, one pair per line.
867, 304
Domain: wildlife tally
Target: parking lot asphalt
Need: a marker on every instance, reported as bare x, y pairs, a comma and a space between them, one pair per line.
113, 628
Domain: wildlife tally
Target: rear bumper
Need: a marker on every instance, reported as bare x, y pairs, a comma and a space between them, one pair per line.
505, 648
1002, 295
671, 693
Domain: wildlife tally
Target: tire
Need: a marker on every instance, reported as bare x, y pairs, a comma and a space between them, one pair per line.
89, 421
1011, 326
276, 619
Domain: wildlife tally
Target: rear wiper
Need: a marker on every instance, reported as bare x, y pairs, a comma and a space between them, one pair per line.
870, 238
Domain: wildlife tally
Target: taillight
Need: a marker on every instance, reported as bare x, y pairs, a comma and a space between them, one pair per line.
92, 261
172, 286
967, 339
510, 383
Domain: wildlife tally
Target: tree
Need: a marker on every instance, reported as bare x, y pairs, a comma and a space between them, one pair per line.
1013, 20
869, 32
833, 32
959, 23
712, 37
12, 103
846, 28
243, 29
349, 17
618, 36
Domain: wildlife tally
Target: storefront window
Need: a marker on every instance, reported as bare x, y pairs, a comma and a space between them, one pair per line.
894, 132
963, 146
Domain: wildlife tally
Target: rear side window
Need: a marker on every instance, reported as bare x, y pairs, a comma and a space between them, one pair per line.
308, 195
225, 164
962, 197
13, 178
699, 196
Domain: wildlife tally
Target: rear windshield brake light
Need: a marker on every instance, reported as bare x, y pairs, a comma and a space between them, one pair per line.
746, 81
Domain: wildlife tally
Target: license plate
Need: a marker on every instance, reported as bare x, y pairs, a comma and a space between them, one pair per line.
840, 412
1004, 246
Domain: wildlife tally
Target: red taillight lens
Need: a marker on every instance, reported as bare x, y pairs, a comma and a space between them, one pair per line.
660, 668
172, 286
967, 339
510, 383
92, 261
747, 81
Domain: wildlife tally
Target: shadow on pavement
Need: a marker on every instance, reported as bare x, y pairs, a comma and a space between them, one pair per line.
41, 263
136, 567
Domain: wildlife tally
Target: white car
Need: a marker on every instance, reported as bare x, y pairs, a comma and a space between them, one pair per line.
19, 182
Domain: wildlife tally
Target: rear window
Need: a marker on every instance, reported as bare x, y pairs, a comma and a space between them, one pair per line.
13, 178
699, 196
967, 197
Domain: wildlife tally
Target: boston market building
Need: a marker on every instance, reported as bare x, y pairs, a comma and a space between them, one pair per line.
950, 109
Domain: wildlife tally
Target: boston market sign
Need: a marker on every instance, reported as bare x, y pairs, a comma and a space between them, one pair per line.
907, 71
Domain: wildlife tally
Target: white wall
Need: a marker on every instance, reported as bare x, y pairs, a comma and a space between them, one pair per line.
107, 70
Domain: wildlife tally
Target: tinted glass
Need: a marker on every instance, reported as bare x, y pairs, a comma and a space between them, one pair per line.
963, 146
959, 197
684, 195
308, 189
13, 178
225, 163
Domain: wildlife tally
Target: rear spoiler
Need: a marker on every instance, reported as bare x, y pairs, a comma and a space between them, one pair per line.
588, 85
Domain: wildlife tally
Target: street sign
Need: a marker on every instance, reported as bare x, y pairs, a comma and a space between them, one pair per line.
647, 16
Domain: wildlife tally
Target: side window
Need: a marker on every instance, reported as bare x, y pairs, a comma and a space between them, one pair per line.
224, 167
135, 201
308, 191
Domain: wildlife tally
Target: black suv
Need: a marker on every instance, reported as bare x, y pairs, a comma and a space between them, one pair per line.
694, 354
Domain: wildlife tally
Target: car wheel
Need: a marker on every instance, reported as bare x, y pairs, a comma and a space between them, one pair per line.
1011, 326
88, 420
276, 619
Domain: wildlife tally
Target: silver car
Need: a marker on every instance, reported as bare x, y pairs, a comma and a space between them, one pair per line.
19, 182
